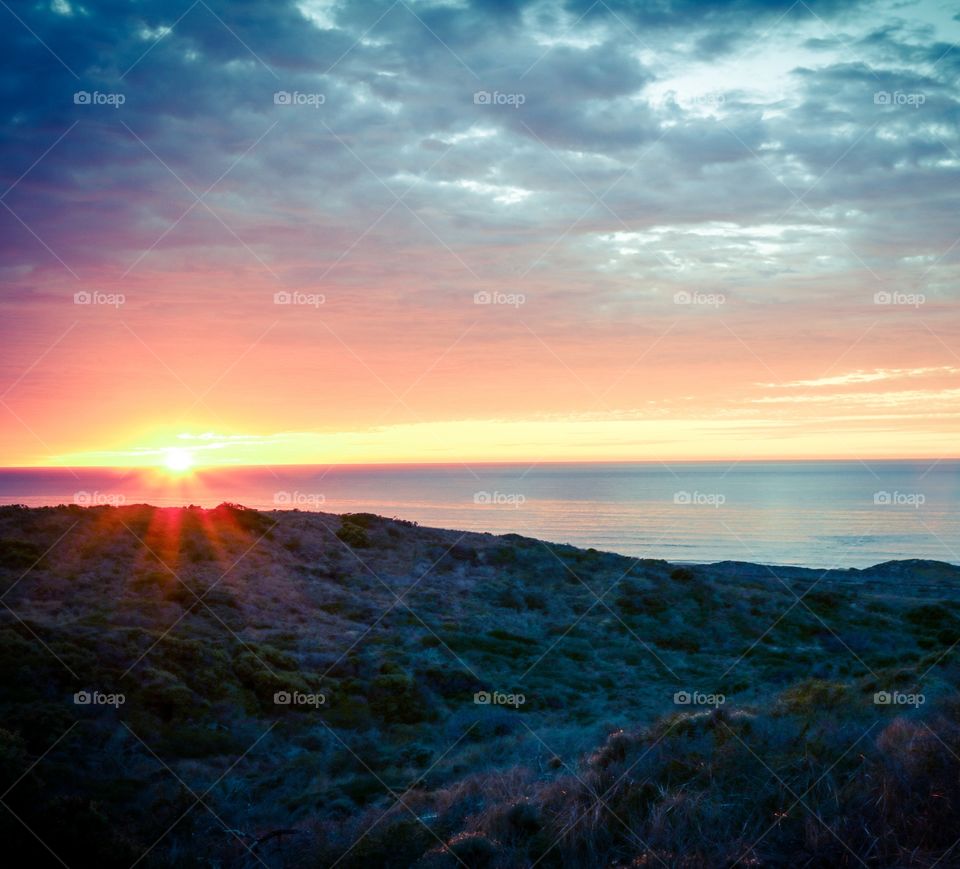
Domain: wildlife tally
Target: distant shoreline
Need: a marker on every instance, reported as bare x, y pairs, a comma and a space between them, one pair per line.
719, 565
815, 514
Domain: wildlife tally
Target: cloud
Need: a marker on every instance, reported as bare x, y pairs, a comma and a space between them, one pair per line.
927, 398
878, 374
657, 148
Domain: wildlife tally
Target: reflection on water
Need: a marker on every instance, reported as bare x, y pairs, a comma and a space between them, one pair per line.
820, 514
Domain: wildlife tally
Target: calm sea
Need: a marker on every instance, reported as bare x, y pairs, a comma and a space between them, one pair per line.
818, 514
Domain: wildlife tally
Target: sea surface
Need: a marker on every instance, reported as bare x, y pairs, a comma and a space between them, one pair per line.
816, 514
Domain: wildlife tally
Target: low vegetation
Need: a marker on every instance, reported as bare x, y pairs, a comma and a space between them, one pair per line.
237, 688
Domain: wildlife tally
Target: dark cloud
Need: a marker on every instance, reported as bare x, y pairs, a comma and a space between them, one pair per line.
692, 14
587, 108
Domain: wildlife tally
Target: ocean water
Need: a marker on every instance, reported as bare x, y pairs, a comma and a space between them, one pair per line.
817, 514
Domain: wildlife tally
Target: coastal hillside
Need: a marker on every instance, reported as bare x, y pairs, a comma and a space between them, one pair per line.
238, 688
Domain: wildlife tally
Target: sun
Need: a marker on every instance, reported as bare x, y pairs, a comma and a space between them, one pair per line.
178, 460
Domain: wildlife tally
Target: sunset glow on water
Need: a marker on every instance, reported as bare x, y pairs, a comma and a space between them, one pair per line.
819, 514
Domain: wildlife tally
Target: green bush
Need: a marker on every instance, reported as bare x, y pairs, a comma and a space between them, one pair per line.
814, 696
167, 697
19, 554
361, 520
353, 535
395, 699
930, 616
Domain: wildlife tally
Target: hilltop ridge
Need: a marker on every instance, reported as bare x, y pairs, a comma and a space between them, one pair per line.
529, 703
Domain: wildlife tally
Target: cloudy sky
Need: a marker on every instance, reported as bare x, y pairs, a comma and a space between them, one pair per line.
434, 231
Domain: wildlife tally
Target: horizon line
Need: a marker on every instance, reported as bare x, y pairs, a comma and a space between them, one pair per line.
199, 468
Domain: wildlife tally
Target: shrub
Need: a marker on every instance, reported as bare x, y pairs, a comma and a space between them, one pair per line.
510, 597
393, 843
814, 696
265, 671
823, 602
361, 520
516, 821
473, 850
635, 602
450, 681
19, 554
198, 741
168, 698
395, 699
930, 616
502, 556
353, 535
244, 517
679, 642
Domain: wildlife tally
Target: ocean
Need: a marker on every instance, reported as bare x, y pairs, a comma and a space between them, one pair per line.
815, 513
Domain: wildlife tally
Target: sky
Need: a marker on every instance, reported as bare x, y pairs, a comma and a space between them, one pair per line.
415, 231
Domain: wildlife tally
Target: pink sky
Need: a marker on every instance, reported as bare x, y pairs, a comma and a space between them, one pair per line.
692, 248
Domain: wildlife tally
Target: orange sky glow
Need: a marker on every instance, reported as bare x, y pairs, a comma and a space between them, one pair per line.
544, 242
